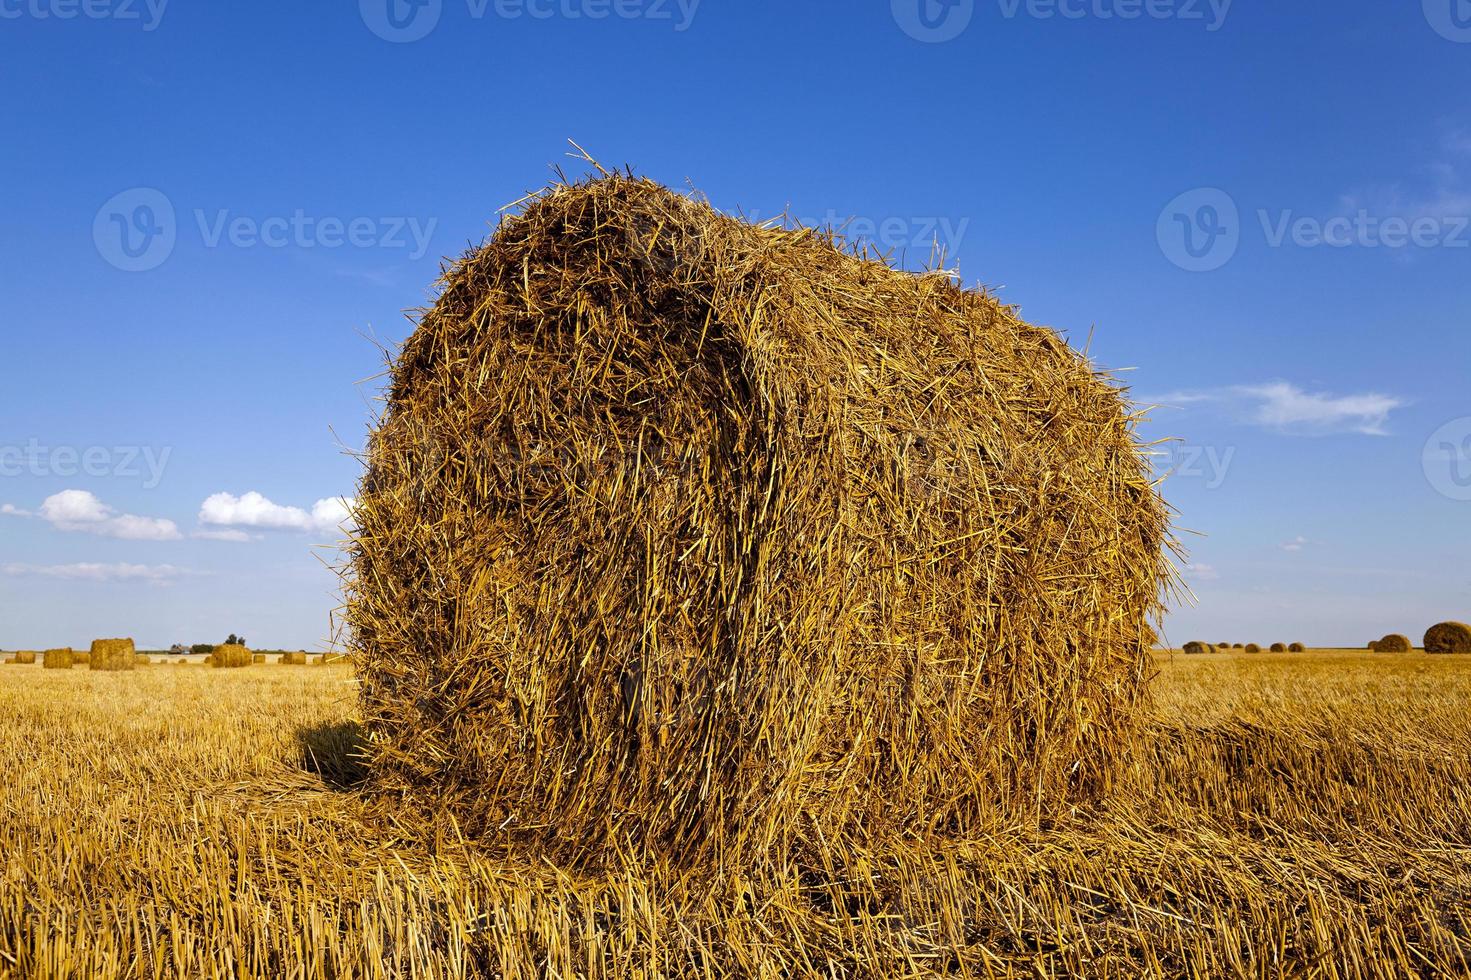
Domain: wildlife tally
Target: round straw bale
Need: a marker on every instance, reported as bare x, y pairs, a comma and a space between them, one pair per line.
298, 658
1394, 643
1237, 646
1279, 648
1253, 648
669, 534
1448, 638
231, 655
60, 659
113, 655
1195, 646
1374, 645
1296, 648
25, 656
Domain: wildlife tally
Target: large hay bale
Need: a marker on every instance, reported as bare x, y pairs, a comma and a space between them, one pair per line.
682, 533
63, 658
25, 656
1278, 648
1296, 648
231, 655
1195, 646
1253, 648
1448, 638
113, 655
297, 659
1394, 643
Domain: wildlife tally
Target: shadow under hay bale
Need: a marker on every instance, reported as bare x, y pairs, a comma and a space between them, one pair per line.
668, 539
63, 658
1448, 638
1394, 643
336, 752
113, 655
230, 655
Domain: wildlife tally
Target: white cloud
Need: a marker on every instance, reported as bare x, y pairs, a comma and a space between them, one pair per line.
1201, 572
227, 535
97, 572
1441, 192
1282, 405
255, 510
78, 510
1286, 407
11, 510
1296, 544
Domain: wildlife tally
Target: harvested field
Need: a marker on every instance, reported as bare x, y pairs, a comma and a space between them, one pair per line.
1290, 816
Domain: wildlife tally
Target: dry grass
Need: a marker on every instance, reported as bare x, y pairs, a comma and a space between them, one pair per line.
1290, 816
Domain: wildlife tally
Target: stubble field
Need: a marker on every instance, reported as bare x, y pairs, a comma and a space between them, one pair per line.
1302, 815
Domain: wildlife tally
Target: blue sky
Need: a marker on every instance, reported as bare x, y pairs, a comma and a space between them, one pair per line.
181, 404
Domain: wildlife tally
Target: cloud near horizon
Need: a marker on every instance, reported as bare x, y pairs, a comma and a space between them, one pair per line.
225, 510
100, 572
81, 511
1285, 407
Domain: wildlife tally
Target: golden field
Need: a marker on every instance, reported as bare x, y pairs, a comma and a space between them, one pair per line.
1299, 815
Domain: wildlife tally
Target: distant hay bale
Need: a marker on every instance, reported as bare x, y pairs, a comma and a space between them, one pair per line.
1237, 646
1394, 643
25, 656
1223, 645
1374, 645
294, 659
1195, 646
1279, 648
231, 655
209, 661
61, 659
142, 660
257, 658
113, 655
699, 509
1296, 648
1253, 648
1448, 638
